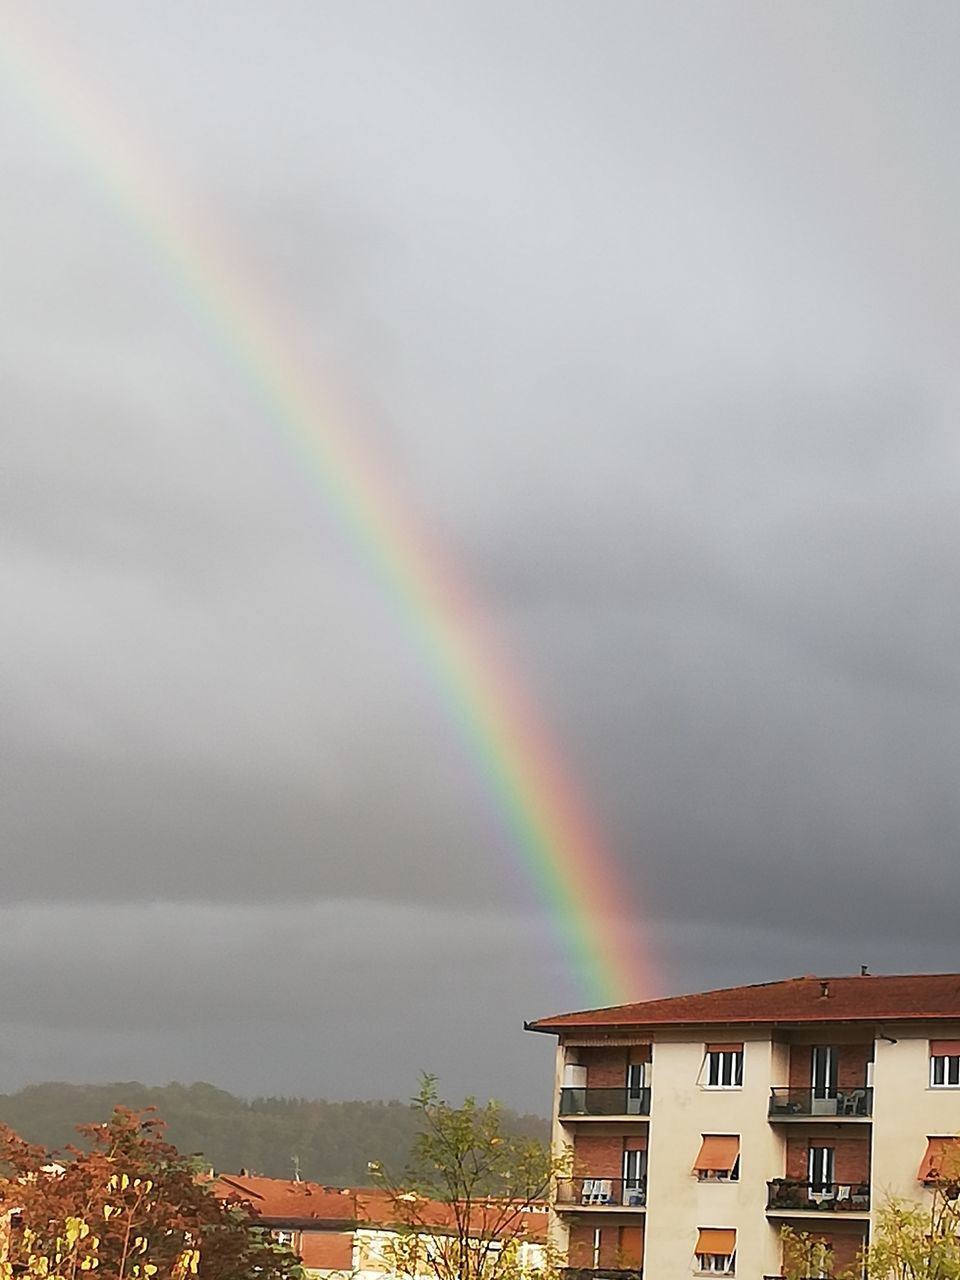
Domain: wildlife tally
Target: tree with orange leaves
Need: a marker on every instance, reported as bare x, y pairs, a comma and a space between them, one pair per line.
127, 1206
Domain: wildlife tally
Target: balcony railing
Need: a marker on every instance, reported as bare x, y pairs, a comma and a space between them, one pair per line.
602, 1273
785, 1194
785, 1103
604, 1102
629, 1193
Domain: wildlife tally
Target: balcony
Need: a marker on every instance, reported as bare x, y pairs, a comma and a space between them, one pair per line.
601, 1193
802, 1104
601, 1273
590, 1103
787, 1196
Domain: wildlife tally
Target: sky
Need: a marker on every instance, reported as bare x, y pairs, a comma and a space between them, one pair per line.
649, 312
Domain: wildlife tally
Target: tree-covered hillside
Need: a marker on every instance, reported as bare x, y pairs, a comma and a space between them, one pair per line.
332, 1140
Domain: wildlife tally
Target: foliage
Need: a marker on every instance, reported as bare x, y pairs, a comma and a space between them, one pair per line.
804, 1255
334, 1142
460, 1200
912, 1241
126, 1207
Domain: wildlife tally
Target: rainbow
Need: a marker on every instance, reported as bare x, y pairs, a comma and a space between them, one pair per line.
574, 874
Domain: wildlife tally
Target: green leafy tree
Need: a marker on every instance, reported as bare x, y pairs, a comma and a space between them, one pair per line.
805, 1256
916, 1242
127, 1206
460, 1204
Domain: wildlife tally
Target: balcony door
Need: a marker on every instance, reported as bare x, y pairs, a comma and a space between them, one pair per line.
823, 1079
636, 1080
820, 1171
634, 1177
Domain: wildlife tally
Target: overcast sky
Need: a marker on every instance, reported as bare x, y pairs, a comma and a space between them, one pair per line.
651, 312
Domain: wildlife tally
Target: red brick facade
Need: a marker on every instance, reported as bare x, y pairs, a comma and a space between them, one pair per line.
607, 1067
851, 1159
598, 1155
852, 1062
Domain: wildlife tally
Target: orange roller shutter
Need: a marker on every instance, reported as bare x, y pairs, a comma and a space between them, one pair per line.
941, 1160
631, 1247
724, 1048
721, 1240
945, 1048
639, 1143
718, 1151
325, 1250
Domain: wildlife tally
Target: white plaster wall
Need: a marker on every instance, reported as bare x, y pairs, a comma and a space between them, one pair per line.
558, 1234
906, 1110
682, 1110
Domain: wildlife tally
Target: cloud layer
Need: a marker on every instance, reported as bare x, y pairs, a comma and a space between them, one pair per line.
651, 315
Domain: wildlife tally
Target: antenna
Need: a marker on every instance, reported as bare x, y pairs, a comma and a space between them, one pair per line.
295, 1161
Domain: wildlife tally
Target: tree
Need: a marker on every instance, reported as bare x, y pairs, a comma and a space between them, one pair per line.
912, 1241
804, 1256
127, 1207
461, 1204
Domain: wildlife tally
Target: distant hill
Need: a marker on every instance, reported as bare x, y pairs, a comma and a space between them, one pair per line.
333, 1140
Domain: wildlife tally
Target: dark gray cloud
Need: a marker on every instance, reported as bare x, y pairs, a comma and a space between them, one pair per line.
651, 315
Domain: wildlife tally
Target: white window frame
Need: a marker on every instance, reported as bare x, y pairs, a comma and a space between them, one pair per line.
283, 1236
722, 1263
947, 1067
729, 1069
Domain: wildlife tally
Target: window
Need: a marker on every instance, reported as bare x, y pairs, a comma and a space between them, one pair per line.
724, 1066
719, 1158
283, 1237
634, 1178
636, 1079
820, 1170
716, 1250
945, 1064
823, 1071
722, 1262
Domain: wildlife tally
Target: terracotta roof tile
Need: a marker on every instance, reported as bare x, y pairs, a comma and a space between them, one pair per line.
868, 998
280, 1203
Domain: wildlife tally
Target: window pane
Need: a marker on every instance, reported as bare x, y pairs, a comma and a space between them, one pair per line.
738, 1060
954, 1064
937, 1065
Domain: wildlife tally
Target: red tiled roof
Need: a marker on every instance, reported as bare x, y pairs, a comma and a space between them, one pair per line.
314, 1207
879, 998
288, 1201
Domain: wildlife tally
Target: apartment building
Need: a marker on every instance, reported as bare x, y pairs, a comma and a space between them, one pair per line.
695, 1127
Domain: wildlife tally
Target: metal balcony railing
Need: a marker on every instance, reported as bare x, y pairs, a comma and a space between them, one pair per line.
602, 1273
784, 1194
785, 1103
628, 1193
604, 1102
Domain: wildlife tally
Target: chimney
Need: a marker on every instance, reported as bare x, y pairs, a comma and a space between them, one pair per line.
864, 971
824, 988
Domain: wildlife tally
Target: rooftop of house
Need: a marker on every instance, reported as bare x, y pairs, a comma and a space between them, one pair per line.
864, 998
313, 1206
